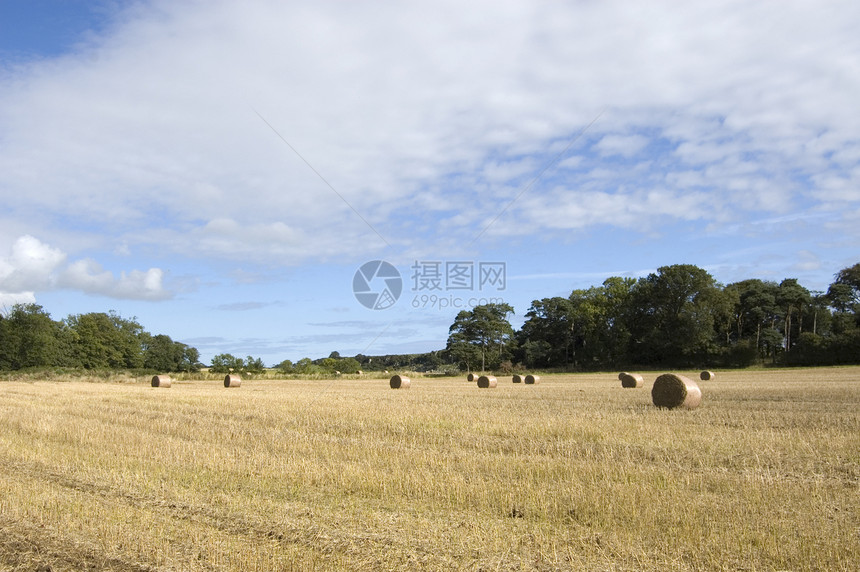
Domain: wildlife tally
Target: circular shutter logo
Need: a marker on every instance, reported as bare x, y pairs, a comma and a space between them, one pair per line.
377, 285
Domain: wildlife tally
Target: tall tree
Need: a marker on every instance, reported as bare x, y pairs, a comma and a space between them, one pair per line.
106, 341
675, 315
485, 327
547, 333
756, 309
792, 298
29, 338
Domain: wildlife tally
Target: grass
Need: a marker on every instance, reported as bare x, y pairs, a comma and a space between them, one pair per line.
575, 473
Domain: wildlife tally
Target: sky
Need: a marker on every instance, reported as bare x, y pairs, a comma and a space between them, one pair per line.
287, 179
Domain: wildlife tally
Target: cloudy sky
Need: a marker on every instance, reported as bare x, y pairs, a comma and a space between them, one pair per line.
220, 170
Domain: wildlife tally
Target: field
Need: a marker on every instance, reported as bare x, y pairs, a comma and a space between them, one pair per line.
574, 473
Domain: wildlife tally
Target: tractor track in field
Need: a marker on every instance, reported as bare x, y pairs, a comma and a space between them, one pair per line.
31, 547
301, 529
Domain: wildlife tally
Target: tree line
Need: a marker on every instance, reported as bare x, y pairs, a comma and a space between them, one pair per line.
30, 338
678, 316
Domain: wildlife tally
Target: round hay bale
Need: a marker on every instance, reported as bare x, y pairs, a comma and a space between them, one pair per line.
517, 379
471, 377
631, 380
706, 375
232, 380
161, 381
672, 390
532, 379
487, 381
399, 382
359, 372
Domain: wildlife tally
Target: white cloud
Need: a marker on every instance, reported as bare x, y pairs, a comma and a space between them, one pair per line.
626, 145
33, 266
9, 299
150, 136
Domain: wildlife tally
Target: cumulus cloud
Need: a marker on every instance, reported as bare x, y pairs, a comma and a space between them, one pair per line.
417, 114
33, 266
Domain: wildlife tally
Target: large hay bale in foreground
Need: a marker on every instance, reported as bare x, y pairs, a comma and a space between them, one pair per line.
532, 379
471, 377
707, 375
399, 382
631, 380
672, 390
232, 380
487, 381
517, 379
161, 381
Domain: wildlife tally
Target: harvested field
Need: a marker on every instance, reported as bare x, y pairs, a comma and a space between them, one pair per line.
569, 474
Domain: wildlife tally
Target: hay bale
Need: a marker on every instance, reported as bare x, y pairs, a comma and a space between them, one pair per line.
359, 372
517, 379
161, 381
706, 375
399, 382
532, 379
232, 380
471, 377
631, 380
487, 381
672, 390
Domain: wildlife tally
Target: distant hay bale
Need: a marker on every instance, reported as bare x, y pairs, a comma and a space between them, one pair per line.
707, 375
359, 372
471, 377
532, 379
232, 380
672, 390
161, 381
399, 382
487, 381
517, 379
631, 380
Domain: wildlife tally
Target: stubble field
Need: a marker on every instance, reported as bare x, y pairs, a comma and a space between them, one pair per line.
574, 473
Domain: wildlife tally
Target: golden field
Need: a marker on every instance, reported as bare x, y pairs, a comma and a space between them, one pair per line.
574, 473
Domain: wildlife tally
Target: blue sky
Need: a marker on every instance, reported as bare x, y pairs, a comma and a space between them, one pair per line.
220, 170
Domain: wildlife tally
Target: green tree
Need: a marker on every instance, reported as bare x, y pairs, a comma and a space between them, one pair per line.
285, 366
306, 366
792, 298
851, 277
674, 315
485, 327
162, 353
547, 333
755, 311
29, 338
226, 363
106, 341
253, 365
